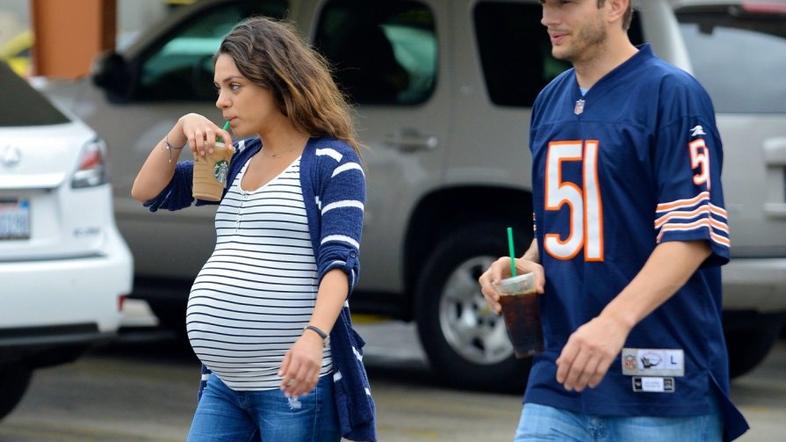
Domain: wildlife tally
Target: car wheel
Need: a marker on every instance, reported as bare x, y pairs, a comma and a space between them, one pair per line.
466, 342
749, 339
14, 380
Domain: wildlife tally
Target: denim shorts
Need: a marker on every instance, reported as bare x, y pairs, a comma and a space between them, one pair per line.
238, 416
544, 423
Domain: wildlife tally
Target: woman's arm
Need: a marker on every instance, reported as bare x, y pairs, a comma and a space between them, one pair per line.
302, 363
159, 167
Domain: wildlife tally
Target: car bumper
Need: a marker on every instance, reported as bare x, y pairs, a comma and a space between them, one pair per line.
65, 292
757, 284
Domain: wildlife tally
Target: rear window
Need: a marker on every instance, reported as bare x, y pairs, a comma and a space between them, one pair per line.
515, 51
383, 53
738, 54
23, 105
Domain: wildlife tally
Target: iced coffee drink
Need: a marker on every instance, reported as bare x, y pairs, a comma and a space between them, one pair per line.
521, 310
210, 173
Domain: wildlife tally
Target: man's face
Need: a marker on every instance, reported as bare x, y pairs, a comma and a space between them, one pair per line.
576, 28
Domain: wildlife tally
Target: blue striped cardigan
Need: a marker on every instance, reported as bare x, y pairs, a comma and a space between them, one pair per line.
331, 177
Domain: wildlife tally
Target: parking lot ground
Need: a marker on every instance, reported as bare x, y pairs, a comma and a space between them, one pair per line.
143, 388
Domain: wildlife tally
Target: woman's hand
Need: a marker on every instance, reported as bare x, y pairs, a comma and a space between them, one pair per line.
500, 269
201, 133
301, 365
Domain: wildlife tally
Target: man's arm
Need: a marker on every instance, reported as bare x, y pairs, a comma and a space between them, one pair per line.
590, 350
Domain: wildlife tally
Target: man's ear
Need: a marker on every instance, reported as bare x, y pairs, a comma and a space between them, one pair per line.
615, 10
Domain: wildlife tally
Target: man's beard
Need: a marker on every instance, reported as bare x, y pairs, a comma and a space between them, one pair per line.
588, 44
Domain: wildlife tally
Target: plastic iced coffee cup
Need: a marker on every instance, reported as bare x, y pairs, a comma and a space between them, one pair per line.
210, 173
521, 310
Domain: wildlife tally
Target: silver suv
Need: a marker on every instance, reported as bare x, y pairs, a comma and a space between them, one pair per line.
444, 92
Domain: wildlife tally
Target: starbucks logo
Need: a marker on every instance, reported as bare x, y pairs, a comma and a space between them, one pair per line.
221, 171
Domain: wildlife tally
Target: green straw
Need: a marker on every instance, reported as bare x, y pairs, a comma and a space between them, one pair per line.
226, 125
512, 251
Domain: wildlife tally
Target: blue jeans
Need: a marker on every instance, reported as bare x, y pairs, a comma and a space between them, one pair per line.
544, 423
239, 416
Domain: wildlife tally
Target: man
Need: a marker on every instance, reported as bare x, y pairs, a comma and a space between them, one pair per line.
630, 234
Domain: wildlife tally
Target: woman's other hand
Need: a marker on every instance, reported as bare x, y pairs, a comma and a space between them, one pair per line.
301, 366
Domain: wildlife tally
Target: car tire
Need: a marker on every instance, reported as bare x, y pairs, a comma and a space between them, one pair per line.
749, 339
14, 380
465, 341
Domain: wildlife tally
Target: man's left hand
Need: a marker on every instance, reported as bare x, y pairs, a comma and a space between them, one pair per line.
590, 350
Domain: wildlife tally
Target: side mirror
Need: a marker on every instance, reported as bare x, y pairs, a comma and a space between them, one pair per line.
110, 72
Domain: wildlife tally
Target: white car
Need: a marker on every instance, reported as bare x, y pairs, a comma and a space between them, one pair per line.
64, 268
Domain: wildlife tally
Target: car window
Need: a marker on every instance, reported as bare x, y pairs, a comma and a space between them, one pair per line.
181, 67
381, 52
23, 105
739, 56
515, 51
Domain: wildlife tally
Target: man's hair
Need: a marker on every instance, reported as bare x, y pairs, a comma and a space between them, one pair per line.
627, 18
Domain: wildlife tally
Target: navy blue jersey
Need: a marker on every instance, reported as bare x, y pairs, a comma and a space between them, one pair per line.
633, 163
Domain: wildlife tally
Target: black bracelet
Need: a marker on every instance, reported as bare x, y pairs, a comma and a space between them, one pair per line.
316, 330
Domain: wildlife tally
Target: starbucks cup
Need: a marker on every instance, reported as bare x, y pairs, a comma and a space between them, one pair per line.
521, 310
210, 173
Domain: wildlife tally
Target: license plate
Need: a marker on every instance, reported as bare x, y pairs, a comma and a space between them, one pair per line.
14, 219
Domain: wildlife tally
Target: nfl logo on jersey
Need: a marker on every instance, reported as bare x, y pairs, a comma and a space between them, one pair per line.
579, 108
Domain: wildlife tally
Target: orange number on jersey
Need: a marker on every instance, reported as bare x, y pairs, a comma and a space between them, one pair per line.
700, 159
586, 207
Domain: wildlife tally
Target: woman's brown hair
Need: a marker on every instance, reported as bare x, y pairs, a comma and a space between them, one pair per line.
272, 55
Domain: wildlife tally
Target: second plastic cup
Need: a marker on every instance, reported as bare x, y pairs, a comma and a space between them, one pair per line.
210, 173
521, 311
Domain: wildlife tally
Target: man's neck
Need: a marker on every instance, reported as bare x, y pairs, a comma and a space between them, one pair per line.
605, 59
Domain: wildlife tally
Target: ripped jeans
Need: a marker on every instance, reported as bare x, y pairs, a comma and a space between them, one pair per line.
227, 415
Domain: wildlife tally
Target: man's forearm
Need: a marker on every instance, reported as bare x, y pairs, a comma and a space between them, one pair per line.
532, 252
668, 268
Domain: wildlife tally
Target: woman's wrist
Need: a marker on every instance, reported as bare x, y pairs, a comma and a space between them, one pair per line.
313, 329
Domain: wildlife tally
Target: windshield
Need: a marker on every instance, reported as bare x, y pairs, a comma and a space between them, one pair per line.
23, 105
738, 54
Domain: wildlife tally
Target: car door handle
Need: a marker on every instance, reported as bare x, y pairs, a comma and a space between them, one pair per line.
411, 140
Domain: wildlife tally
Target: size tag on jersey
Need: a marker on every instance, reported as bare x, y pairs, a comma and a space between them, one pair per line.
653, 362
653, 385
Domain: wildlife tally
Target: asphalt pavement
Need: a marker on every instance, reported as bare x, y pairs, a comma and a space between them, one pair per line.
143, 388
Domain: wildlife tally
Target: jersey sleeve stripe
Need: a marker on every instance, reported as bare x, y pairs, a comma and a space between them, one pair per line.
723, 227
683, 203
342, 204
716, 230
685, 215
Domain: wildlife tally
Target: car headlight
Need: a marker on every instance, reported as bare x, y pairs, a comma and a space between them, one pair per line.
92, 165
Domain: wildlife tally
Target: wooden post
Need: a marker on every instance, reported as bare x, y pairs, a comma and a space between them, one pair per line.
69, 34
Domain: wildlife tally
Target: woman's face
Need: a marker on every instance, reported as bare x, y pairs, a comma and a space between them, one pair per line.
250, 109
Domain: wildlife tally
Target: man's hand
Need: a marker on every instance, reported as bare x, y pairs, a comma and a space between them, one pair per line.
499, 270
301, 365
590, 350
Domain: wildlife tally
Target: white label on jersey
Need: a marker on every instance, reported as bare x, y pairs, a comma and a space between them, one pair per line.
653, 362
653, 385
